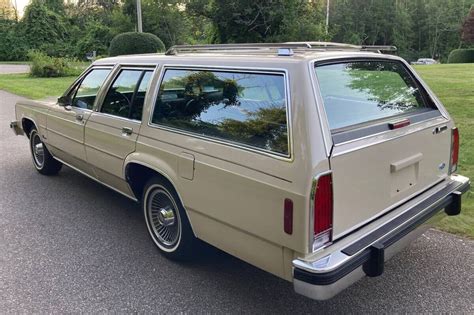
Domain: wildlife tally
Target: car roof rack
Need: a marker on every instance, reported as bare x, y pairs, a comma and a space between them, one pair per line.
282, 49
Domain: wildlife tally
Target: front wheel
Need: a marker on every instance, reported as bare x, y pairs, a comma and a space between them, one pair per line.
42, 159
167, 221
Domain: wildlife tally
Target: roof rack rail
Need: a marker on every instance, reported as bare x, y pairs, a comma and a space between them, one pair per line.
288, 47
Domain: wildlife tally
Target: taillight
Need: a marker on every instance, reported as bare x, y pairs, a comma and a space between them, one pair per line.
453, 166
322, 211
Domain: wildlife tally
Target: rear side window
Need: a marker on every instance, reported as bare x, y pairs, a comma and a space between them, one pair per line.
244, 108
363, 91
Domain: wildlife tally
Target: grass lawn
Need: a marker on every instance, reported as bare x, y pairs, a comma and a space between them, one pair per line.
453, 84
34, 88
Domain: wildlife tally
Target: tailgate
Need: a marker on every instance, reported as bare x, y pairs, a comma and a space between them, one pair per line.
390, 141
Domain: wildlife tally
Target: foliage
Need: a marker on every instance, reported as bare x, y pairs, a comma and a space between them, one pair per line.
261, 21
45, 66
12, 47
419, 28
467, 33
41, 27
461, 56
135, 43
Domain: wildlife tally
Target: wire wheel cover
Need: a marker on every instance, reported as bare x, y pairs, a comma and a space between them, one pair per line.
37, 149
163, 217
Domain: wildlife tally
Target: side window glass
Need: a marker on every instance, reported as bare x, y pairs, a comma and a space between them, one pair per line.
244, 108
139, 99
119, 98
89, 87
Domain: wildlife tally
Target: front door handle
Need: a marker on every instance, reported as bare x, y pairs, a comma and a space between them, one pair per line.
126, 131
79, 117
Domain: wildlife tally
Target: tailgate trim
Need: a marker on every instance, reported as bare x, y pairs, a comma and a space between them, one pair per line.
435, 198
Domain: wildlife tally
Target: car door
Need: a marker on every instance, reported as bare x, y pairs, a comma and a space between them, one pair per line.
65, 125
111, 131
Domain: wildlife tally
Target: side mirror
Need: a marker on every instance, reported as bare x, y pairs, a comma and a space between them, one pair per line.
64, 101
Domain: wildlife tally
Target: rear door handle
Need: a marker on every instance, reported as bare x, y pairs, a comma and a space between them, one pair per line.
126, 131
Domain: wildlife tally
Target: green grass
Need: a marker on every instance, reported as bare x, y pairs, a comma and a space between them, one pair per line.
452, 83
454, 86
34, 88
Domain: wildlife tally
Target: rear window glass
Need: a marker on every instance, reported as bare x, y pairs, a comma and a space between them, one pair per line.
244, 108
362, 91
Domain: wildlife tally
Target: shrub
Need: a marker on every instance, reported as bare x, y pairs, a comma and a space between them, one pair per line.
43, 65
461, 56
135, 43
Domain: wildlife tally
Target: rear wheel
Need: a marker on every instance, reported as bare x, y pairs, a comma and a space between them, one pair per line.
167, 221
42, 159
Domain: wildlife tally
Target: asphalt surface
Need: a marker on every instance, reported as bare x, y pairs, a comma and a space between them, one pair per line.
68, 244
10, 68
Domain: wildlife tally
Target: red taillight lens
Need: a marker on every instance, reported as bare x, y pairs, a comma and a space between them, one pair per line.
323, 210
454, 150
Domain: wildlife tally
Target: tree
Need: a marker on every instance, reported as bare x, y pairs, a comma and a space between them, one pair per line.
238, 21
41, 26
468, 27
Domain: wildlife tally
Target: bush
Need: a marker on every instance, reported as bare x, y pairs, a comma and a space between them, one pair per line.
461, 56
45, 66
135, 43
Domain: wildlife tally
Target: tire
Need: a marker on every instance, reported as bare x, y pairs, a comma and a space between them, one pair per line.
167, 221
42, 160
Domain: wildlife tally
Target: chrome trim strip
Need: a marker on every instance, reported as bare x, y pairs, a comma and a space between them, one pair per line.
137, 122
95, 179
284, 72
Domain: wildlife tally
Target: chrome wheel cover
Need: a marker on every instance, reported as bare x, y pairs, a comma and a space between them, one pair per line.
37, 150
163, 218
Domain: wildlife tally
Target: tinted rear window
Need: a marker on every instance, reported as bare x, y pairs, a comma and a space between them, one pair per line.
362, 91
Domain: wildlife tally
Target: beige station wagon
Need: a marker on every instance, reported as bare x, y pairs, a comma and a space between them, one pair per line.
313, 161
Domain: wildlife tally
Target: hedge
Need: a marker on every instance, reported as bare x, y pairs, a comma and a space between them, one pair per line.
135, 43
461, 56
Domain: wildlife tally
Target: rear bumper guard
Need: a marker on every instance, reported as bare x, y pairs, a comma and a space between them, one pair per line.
327, 276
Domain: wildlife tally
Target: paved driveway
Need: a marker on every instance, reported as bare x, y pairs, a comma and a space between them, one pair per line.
9, 68
67, 244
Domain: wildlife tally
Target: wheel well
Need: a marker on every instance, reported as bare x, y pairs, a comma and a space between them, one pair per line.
137, 175
27, 125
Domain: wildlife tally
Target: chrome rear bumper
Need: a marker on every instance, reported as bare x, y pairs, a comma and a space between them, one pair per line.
326, 276
14, 125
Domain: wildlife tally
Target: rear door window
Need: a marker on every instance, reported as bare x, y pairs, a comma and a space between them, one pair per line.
126, 96
360, 92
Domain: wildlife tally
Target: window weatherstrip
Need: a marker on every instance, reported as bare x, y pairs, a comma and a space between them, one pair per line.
282, 72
